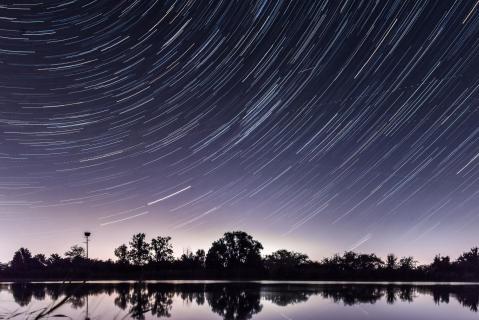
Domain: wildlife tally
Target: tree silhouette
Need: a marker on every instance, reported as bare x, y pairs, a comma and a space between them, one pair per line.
391, 262
235, 250
200, 257
440, 264
139, 250
122, 254
193, 260
40, 259
235, 255
22, 260
22, 293
287, 258
407, 263
54, 259
76, 252
285, 262
162, 250
469, 260
351, 264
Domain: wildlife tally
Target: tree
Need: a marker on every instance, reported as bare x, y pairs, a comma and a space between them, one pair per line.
22, 259
162, 250
54, 259
286, 258
40, 260
122, 254
440, 264
468, 264
193, 260
235, 250
139, 250
76, 252
187, 256
391, 262
284, 262
369, 262
200, 257
470, 258
407, 263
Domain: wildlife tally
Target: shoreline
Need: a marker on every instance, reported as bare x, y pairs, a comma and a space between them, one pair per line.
258, 281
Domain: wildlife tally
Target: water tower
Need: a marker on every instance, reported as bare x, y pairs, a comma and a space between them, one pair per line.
87, 235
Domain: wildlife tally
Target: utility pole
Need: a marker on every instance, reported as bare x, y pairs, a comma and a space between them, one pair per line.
87, 239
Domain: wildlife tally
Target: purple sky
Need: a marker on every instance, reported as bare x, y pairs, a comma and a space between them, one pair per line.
315, 126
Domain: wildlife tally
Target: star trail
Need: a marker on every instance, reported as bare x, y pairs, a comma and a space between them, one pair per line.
319, 126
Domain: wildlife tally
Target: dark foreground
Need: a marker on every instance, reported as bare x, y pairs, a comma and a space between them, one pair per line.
238, 300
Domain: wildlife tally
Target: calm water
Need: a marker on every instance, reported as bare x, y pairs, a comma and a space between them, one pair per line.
219, 300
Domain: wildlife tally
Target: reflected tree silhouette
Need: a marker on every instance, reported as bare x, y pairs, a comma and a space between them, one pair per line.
469, 300
143, 298
294, 294
234, 302
465, 295
53, 291
123, 295
161, 298
161, 303
193, 296
353, 294
406, 293
390, 295
22, 293
139, 301
77, 302
39, 293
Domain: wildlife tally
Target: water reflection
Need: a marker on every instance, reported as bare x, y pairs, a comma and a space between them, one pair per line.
231, 301
235, 302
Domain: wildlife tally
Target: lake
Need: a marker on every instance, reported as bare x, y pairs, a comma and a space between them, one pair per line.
238, 300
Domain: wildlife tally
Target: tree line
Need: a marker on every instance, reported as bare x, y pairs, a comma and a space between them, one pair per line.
236, 255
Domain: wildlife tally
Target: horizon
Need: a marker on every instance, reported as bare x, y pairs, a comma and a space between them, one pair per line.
318, 127
177, 252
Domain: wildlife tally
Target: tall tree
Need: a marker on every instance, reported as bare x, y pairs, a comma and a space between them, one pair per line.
122, 254
391, 261
22, 259
139, 250
235, 250
162, 250
200, 257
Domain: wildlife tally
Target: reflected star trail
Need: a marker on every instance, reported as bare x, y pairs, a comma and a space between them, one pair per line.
314, 125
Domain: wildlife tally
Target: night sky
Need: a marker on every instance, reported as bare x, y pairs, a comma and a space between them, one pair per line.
318, 126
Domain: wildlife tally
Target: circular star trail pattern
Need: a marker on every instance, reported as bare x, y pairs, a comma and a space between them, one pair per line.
317, 125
